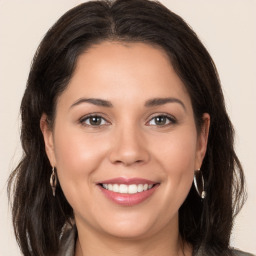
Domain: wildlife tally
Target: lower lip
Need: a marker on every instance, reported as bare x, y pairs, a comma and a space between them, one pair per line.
128, 199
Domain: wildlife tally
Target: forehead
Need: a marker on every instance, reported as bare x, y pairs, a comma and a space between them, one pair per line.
115, 71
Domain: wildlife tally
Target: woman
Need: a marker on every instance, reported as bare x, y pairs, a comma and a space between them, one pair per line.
123, 110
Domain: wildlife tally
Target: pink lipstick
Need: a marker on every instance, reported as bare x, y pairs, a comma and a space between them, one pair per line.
128, 192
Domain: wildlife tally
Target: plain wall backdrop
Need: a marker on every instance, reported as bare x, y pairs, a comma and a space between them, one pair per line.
228, 30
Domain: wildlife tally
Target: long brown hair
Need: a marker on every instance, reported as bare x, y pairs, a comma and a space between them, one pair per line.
38, 217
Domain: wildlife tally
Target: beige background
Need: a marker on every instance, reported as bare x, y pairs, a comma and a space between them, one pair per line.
226, 27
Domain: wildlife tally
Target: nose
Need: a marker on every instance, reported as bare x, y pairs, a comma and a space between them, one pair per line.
129, 147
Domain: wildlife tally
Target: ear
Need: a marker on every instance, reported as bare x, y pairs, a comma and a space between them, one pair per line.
48, 139
202, 141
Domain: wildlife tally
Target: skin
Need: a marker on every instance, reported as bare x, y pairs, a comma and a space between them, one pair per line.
128, 142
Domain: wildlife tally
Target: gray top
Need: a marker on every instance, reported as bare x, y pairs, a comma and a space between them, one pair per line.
68, 238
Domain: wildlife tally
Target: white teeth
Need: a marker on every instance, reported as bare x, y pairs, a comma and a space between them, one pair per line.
132, 189
123, 189
140, 188
115, 188
127, 189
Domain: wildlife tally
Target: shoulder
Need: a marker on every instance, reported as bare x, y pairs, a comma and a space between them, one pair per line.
241, 253
67, 240
235, 252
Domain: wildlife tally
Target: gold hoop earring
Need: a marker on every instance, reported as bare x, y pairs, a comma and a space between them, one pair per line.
53, 181
199, 183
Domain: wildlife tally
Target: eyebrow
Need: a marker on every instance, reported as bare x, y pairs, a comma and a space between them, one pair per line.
94, 101
149, 103
161, 101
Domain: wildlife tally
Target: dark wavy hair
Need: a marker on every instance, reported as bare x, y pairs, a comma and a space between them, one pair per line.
38, 217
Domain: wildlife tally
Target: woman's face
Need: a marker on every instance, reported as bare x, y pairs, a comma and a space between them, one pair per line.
123, 125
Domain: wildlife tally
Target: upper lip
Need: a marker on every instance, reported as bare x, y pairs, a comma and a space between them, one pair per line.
127, 181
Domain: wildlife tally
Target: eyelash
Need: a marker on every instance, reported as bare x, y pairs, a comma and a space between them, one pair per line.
90, 117
171, 120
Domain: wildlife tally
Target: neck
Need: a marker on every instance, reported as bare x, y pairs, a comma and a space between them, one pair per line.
183, 250
164, 243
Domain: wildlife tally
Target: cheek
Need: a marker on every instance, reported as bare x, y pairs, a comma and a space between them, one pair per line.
178, 151
177, 156
76, 150
77, 157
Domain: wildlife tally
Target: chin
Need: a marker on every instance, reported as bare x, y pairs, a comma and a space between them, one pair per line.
133, 225
129, 232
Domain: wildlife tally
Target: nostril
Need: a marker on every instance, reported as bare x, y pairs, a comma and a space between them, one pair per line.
128, 162
118, 162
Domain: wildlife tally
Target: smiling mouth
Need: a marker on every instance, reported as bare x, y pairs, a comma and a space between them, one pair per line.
127, 189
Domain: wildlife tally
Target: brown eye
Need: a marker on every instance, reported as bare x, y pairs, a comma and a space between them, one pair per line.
94, 121
161, 120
